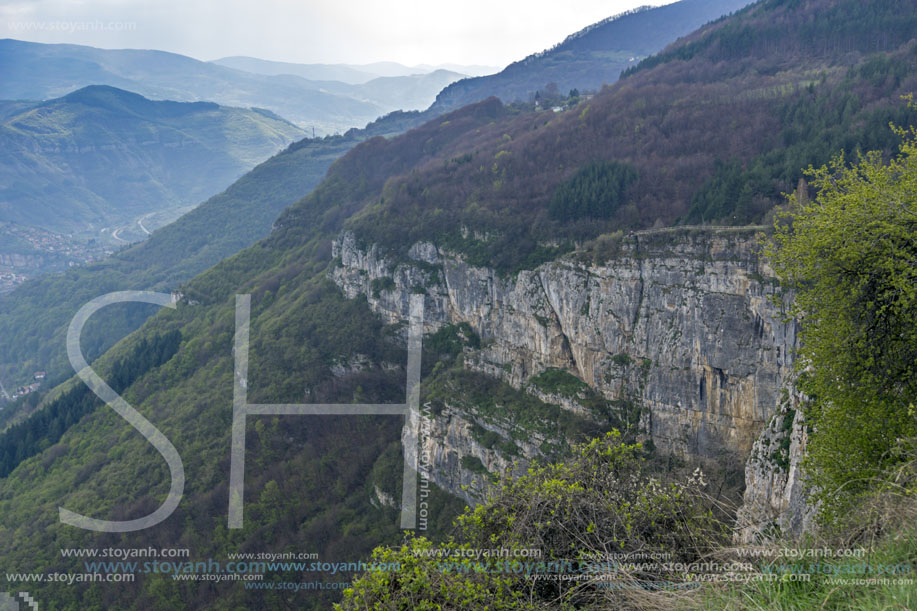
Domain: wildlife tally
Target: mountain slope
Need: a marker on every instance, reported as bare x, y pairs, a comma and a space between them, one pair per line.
307, 313
700, 140
17, 361
68, 163
34, 317
462, 210
18, 358
594, 56
36, 71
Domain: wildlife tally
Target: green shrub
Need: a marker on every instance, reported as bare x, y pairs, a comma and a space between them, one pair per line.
450, 340
379, 285
559, 381
567, 516
415, 577
850, 255
474, 464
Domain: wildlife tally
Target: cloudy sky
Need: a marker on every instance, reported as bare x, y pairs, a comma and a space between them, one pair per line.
489, 32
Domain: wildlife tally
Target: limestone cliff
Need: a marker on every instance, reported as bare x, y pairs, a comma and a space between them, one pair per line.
683, 322
776, 500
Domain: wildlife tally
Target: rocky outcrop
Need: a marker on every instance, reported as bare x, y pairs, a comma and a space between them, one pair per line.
689, 323
776, 501
457, 459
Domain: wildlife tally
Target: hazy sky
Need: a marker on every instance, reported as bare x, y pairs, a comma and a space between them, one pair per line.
489, 32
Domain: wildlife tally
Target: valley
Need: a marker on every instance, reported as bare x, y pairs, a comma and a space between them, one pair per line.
650, 336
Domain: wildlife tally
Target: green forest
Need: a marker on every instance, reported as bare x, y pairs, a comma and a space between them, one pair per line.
752, 189
849, 254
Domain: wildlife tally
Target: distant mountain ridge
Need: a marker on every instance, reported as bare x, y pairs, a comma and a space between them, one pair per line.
416, 92
594, 56
352, 74
101, 157
34, 71
391, 87
329, 98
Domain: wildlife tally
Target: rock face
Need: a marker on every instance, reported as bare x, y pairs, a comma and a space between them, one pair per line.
683, 322
447, 441
776, 500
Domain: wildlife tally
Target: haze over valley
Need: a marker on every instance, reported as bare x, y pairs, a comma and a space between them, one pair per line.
625, 323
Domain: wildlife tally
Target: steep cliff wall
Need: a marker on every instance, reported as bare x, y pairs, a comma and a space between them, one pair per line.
776, 500
682, 322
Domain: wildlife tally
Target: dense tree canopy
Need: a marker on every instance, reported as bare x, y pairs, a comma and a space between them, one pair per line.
851, 256
596, 191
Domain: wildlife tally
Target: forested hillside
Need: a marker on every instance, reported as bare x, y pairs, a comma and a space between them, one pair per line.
592, 57
699, 140
34, 318
68, 163
503, 189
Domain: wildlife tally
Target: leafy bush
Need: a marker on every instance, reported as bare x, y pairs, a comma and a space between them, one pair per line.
474, 464
414, 577
451, 340
851, 256
604, 247
603, 500
380, 285
553, 380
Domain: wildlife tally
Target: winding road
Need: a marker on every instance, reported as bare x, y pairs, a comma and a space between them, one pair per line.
115, 235
140, 222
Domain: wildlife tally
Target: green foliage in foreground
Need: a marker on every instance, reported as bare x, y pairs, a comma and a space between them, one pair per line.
851, 256
879, 545
837, 584
602, 500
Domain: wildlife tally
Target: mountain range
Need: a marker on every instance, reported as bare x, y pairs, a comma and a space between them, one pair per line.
101, 167
19, 358
594, 56
571, 283
34, 71
352, 74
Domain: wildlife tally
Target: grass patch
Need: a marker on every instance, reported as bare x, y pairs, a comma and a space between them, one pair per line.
834, 583
560, 382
